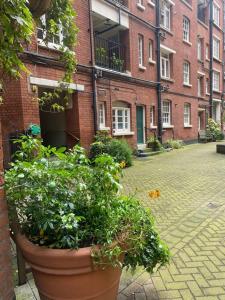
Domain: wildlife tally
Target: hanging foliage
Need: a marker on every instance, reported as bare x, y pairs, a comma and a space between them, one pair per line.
17, 26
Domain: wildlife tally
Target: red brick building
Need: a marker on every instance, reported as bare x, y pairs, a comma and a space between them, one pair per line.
144, 67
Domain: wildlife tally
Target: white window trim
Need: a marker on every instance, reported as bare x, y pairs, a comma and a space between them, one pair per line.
151, 3
164, 60
186, 31
140, 5
188, 73
168, 9
140, 50
124, 131
199, 49
102, 125
215, 89
167, 124
218, 7
187, 114
50, 44
216, 39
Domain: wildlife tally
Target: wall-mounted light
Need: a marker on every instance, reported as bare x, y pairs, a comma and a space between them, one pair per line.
34, 89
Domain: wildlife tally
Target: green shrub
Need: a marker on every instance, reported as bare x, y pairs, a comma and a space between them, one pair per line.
118, 149
154, 144
69, 203
174, 144
213, 130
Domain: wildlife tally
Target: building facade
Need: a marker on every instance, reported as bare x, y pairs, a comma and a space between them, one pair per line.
145, 68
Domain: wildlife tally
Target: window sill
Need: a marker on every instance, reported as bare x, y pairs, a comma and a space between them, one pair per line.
217, 26
187, 126
140, 6
187, 4
153, 127
104, 128
207, 59
207, 94
51, 46
187, 85
218, 92
123, 133
142, 68
203, 24
151, 3
152, 61
168, 79
217, 60
187, 42
168, 126
167, 30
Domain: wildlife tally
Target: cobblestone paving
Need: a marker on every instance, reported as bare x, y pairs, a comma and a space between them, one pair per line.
190, 216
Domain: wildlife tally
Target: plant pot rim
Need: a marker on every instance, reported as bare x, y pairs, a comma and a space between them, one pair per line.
55, 258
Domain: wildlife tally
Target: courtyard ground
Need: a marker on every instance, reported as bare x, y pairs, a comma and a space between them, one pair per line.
190, 216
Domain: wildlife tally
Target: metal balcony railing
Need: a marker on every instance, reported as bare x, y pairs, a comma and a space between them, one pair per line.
120, 2
110, 54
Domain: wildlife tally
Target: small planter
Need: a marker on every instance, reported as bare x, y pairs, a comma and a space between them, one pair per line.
39, 7
69, 274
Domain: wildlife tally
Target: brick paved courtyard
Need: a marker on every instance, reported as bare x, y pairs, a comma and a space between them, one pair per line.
190, 215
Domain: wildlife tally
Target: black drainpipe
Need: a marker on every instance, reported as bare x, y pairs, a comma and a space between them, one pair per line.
93, 74
211, 58
158, 63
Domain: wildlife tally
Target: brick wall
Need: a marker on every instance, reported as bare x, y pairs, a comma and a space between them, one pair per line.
6, 285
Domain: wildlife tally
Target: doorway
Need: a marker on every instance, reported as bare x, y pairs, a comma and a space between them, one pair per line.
140, 124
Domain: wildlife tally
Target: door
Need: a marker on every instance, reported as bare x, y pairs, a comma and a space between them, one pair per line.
140, 124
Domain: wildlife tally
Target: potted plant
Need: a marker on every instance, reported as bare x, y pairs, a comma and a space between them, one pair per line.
77, 230
39, 7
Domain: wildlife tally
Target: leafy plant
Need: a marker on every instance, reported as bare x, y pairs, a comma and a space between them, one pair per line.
213, 130
118, 149
63, 201
174, 144
117, 62
154, 144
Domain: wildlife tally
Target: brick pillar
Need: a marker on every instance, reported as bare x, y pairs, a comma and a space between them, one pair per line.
6, 283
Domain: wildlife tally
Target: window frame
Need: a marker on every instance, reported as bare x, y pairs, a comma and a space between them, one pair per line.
167, 112
199, 49
215, 89
165, 15
216, 42
152, 116
186, 73
186, 29
165, 61
140, 50
150, 50
216, 16
187, 114
102, 125
115, 115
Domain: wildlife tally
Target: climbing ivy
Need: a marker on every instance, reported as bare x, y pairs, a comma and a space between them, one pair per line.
17, 26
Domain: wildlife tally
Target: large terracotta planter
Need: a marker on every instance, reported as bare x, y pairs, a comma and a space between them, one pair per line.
69, 274
39, 7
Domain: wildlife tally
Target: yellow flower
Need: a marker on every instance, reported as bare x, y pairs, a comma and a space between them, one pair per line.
122, 164
154, 194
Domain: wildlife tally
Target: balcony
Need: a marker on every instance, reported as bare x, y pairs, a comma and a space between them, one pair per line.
109, 11
110, 54
120, 2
